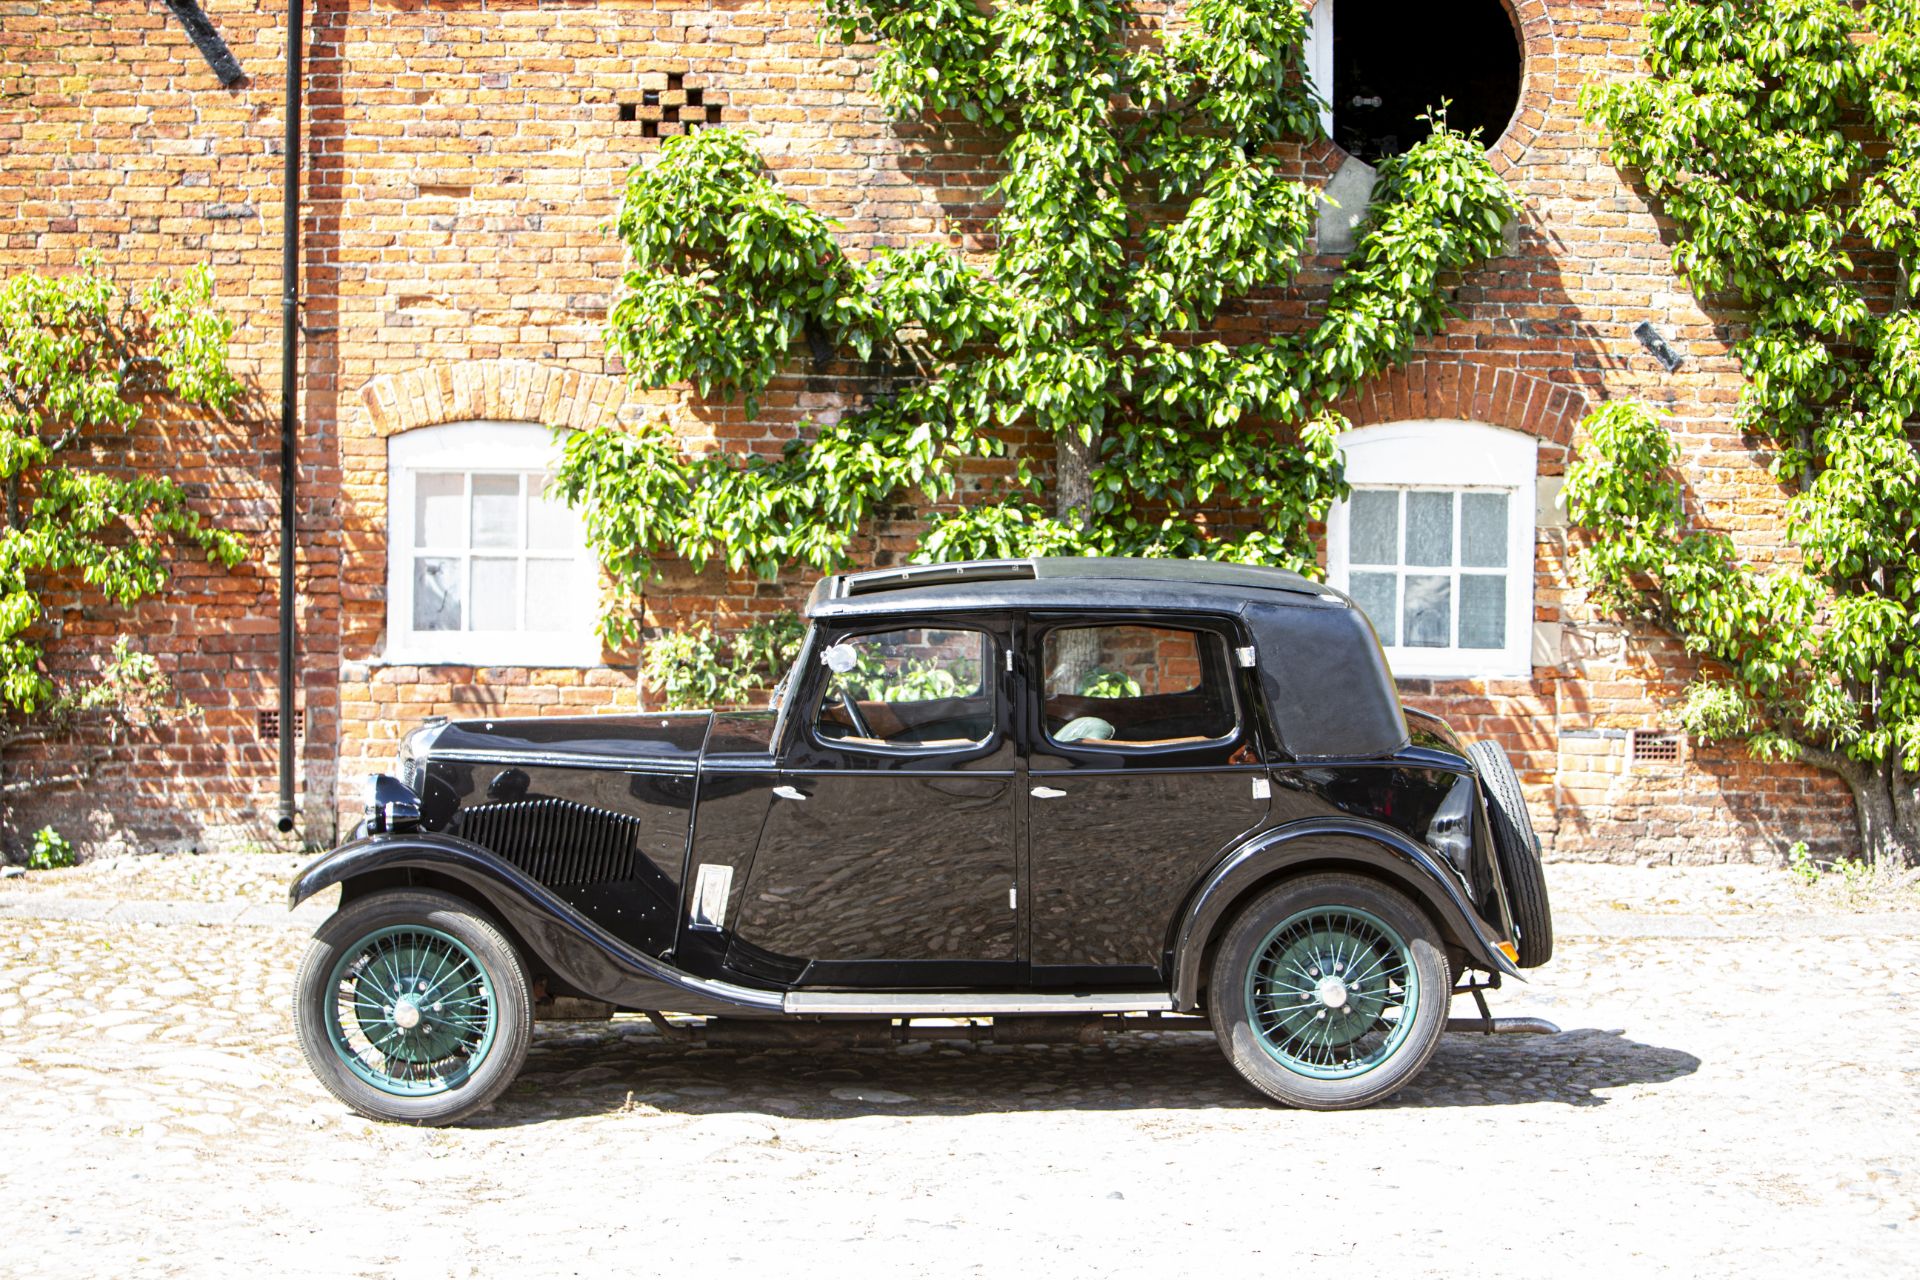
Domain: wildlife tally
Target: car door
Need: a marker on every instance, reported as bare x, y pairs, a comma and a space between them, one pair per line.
1144, 763
889, 857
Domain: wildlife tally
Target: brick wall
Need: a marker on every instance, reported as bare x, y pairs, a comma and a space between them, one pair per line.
116, 140
462, 159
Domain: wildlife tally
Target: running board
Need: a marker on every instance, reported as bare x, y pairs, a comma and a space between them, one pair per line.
1504, 1026
930, 1004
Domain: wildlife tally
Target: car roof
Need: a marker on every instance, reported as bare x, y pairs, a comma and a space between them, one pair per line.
1064, 582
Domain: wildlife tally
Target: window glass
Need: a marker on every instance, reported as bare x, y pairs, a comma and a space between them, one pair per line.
504, 556
440, 504
1429, 621
1429, 529
496, 510
1378, 595
436, 595
496, 593
1375, 520
551, 523
1483, 611
918, 688
1483, 530
1136, 686
1416, 589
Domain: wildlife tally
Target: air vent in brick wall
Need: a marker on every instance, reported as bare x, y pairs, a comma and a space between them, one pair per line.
1654, 746
676, 109
268, 724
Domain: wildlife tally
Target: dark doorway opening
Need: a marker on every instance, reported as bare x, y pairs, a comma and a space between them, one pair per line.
1395, 60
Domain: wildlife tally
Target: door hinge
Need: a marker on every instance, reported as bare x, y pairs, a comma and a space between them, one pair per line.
1244, 655
1013, 898
1262, 789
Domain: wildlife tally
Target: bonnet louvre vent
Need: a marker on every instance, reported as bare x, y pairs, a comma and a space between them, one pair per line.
556, 841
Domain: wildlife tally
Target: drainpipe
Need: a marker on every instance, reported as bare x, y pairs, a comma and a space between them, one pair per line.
289, 401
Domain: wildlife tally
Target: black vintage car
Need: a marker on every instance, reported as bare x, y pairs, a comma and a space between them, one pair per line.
1023, 799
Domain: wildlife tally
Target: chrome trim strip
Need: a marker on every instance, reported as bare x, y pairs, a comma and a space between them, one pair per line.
928, 1004
568, 760
1156, 770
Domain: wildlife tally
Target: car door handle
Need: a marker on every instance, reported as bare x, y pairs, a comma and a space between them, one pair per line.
1048, 793
790, 793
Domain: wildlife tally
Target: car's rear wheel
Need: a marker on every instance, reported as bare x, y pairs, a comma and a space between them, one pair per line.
1518, 848
1330, 991
412, 1007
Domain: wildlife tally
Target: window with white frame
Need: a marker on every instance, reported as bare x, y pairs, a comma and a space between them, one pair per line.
485, 564
1435, 543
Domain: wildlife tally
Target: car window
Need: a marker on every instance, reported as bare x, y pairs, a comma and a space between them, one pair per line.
917, 688
1136, 686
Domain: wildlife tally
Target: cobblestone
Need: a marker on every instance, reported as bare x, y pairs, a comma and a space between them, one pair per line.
1739, 1103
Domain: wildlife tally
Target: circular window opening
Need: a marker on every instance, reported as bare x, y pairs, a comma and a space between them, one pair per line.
1396, 60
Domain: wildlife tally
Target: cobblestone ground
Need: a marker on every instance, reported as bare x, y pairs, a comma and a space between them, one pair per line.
1741, 1102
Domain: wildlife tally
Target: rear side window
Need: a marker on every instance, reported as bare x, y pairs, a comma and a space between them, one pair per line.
918, 688
1130, 686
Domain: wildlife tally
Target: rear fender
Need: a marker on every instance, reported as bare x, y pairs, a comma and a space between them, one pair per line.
1370, 848
576, 950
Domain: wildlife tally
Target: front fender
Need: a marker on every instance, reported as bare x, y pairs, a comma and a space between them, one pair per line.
575, 949
1328, 842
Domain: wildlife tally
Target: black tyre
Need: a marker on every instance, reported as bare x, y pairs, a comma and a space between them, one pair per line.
1518, 849
412, 1007
1330, 991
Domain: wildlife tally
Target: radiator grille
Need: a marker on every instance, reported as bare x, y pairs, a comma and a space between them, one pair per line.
556, 841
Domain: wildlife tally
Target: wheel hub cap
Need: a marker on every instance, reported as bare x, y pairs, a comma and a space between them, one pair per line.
406, 1015
1332, 992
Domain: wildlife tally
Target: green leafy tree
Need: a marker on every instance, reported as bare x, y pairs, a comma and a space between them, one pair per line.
1782, 137
79, 360
1142, 193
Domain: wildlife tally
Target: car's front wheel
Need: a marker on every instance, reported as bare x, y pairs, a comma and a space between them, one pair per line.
1330, 991
412, 1007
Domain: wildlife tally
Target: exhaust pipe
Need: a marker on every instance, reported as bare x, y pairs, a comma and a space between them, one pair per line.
1504, 1026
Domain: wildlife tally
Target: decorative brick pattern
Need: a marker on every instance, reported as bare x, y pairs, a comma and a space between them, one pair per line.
462, 162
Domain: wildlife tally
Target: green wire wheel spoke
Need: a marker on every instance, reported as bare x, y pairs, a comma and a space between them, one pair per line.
413, 1012
1331, 991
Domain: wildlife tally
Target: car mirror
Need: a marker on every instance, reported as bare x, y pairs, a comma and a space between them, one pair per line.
839, 658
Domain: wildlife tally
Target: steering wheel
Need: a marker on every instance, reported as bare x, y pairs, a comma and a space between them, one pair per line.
854, 717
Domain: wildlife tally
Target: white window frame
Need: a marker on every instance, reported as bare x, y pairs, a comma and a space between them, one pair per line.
1453, 456
473, 448
1319, 54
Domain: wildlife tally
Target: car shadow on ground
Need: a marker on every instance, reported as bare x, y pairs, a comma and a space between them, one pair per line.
577, 1070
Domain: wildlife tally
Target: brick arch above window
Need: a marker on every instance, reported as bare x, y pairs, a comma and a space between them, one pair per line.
493, 390
1452, 389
